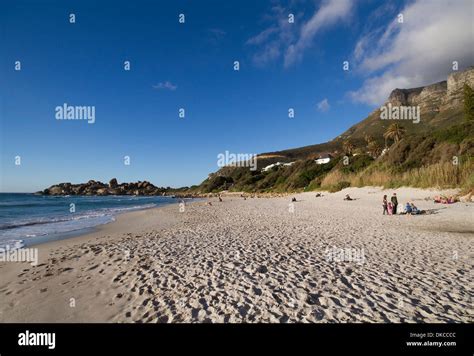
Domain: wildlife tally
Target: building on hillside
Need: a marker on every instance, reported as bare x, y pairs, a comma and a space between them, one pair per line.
324, 158
267, 168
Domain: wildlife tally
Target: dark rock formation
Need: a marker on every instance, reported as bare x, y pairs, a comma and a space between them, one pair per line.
435, 97
93, 187
113, 183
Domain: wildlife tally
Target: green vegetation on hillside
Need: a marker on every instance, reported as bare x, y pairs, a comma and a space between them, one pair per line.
437, 152
468, 103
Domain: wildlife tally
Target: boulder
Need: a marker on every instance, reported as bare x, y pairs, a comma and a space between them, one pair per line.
150, 188
79, 189
102, 191
55, 190
113, 183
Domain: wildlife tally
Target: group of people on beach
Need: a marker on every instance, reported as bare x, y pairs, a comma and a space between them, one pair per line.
390, 207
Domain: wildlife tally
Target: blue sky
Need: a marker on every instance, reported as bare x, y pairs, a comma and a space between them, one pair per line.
191, 66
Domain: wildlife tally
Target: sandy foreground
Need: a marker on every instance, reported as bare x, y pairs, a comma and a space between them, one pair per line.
257, 260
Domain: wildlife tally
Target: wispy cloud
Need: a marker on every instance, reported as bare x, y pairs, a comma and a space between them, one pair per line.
289, 41
262, 36
215, 35
329, 13
270, 43
165, 86
323, 105
414, 53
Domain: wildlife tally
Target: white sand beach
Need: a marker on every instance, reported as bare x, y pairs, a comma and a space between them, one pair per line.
257, 260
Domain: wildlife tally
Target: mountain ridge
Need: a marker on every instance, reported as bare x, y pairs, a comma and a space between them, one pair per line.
417, 154
420, 154
434, 99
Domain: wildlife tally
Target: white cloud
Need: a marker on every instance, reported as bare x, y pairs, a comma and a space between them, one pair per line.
330, 12
271, 42
417, 52
323, 105
262, 36
290, 40
166, 86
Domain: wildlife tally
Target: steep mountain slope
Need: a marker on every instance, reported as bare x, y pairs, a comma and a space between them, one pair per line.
440, 106
424, 155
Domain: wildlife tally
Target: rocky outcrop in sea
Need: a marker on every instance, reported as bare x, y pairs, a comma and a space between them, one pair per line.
93, 187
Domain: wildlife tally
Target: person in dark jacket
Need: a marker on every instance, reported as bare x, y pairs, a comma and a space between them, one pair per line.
384, 204
394, 201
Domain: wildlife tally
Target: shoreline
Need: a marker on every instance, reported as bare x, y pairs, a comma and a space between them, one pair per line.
45, 227
101, 228
255, 261
121, 223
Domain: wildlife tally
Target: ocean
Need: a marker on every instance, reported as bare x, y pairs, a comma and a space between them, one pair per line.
28, 219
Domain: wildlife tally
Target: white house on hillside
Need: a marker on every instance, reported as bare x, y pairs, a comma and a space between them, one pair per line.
324, 158
267, 168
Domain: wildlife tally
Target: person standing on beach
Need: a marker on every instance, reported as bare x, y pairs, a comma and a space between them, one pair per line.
394, 201
384, 204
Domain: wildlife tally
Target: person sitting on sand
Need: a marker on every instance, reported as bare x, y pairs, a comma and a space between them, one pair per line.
414, 209
348, 197
408, 208
220, 199
384, 205
318, 195
293, 199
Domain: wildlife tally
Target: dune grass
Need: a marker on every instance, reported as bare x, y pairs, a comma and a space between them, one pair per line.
439, 175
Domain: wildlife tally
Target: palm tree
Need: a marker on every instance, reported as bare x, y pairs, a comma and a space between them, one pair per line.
348, 147
394, 132
374, 149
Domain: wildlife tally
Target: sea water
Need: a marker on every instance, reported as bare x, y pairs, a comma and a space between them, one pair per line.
28, 219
